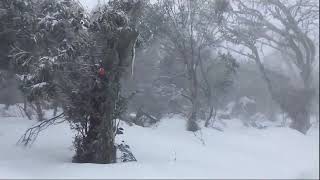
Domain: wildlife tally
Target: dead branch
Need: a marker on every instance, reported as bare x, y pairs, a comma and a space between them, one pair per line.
32, 133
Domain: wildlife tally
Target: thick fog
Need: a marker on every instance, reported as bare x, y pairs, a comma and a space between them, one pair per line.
191, 75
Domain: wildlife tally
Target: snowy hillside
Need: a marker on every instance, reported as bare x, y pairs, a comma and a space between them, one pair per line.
167, 151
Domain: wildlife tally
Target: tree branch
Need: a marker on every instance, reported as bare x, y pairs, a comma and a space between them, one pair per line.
32, 133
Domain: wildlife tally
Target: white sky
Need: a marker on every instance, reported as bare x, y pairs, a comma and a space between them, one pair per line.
89, 4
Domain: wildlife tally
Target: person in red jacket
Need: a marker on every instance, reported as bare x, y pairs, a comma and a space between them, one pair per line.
101, 71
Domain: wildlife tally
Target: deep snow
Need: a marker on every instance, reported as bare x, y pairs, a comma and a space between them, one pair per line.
167, 151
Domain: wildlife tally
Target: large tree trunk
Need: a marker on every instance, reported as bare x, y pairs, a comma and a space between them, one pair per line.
301, 122
98, 146
298, 112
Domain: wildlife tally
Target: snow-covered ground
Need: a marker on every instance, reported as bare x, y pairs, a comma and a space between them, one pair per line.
167, 151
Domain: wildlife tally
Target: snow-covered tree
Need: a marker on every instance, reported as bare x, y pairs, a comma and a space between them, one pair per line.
285, 26
97, 104
186, 29
78, 64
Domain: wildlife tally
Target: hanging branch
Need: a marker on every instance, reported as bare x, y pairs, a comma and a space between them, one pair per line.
32, 133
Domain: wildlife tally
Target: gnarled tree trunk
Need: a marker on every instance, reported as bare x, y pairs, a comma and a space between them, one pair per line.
98, 146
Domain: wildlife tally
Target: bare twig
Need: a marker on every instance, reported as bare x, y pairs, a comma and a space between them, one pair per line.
200, 138
32, 133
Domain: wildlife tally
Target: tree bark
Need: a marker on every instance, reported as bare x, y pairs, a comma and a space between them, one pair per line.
39, 110
98, 146
192, 120
25, 105
300, 115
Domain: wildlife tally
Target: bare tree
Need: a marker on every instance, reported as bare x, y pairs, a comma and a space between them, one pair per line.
286, 26
190, 27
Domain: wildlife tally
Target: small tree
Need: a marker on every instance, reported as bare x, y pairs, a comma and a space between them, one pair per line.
219, 78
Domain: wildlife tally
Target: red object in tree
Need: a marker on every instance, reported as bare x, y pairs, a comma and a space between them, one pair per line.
102, 72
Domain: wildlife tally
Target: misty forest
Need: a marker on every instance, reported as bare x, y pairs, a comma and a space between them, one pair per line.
159, 89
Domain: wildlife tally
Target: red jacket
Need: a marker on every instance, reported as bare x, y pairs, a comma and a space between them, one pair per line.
101, 72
